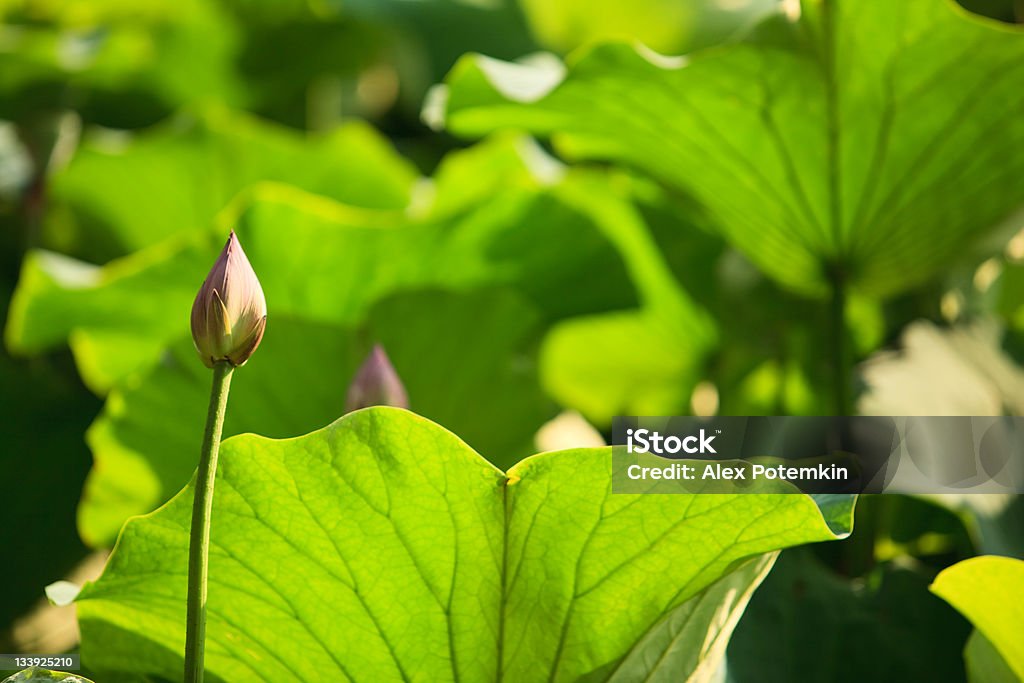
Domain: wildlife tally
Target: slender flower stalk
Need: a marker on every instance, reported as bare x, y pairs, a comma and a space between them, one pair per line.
202, 511
229, 316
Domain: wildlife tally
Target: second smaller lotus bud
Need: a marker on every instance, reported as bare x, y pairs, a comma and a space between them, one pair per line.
376, 384
230, 311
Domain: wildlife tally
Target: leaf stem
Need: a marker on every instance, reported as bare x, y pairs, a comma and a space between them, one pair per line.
199, 538
840, 348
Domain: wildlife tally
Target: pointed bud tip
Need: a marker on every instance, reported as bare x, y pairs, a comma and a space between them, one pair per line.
229, 314
376, 383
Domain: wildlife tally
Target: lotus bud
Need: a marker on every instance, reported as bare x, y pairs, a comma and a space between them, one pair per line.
230, 311
376, 384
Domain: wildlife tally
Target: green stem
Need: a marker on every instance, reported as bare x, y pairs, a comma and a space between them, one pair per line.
841, 363
199, 539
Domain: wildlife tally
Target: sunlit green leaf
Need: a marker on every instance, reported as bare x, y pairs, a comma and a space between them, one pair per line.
664, 25
118, 318
123, 62
989, 590
866, 142
389, 527
627, 362
118, 196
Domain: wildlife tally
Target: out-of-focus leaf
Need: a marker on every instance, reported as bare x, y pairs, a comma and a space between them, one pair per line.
468, 362
387, 526
363, 281
855, 144
808, 624
989, 590
1011, 295
673, 26
984, 663
506, 161
122, 62
641, 362
118, 196
561, 245
332, 61
438, 32
119, 317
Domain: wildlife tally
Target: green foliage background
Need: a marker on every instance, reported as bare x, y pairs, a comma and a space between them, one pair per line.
535, 210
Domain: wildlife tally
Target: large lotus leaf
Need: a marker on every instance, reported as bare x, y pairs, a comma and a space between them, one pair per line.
989, 590
383, 548
118, 196
857, 143
466, 362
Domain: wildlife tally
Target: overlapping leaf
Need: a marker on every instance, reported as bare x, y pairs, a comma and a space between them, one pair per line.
432, 283
665, 25
119, 316
169, 53
637, 362
383, 548
989, 590
117, 197
866, 142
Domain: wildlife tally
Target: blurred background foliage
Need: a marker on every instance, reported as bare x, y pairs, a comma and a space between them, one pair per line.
510, 278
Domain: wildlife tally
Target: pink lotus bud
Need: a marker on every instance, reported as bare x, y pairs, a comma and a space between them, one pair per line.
230, 312
376, 384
